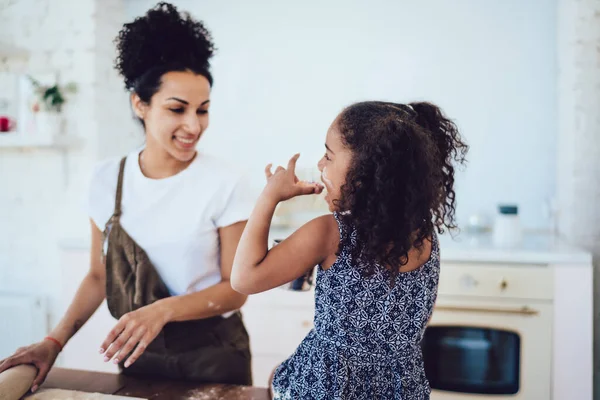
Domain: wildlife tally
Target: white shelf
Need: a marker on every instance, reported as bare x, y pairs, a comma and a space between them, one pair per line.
23, 141
9, 50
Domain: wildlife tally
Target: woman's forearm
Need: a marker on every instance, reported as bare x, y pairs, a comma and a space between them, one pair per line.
215, 300
87, 299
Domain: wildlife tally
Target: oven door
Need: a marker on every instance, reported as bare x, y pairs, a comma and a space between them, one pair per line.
482, 350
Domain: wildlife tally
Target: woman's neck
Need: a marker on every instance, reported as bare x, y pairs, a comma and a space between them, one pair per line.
160, 164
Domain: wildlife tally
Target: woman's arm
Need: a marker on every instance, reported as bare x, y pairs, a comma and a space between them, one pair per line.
138, 328
89, 296
255, 269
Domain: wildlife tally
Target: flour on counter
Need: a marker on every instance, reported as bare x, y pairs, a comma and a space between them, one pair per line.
60, 394
215, 393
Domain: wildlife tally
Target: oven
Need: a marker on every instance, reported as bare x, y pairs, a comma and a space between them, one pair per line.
490, 333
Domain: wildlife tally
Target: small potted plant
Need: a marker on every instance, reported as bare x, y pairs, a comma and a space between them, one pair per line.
47, 107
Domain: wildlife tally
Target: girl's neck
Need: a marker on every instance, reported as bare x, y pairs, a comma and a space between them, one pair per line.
158, 164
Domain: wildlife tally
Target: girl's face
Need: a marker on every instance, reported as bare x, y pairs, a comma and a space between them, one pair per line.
177, 114
334, 165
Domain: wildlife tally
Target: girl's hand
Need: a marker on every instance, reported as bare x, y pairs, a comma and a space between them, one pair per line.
136, 329
283, 184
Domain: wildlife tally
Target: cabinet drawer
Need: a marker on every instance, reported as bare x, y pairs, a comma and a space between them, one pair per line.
263, 366
275, 330
519, 281
282, 298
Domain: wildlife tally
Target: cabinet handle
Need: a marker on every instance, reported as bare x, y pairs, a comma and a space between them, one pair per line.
306, 324
503, 284
525, 310
468, 281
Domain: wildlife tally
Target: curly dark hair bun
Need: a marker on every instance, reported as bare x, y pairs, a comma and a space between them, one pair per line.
162, 40
400, 185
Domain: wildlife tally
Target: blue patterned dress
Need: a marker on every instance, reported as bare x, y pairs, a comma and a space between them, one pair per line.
366, 339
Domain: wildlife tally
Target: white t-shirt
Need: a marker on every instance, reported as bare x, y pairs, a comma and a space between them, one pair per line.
175, 219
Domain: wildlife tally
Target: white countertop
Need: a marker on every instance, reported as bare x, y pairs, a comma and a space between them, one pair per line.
536, 249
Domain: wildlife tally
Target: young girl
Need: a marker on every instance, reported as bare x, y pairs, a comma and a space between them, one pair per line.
389, 174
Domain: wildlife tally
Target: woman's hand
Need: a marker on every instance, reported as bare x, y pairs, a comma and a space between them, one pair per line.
42, 355
283, 184
135, 330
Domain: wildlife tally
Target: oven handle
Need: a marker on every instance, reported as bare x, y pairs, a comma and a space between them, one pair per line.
525, 310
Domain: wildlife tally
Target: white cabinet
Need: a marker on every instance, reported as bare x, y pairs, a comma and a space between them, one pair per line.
536, 290
276, 321
82, 350
542, 294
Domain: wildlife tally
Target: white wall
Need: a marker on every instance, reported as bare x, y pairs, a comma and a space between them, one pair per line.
42, 190
578, 179
282, 74
285, 69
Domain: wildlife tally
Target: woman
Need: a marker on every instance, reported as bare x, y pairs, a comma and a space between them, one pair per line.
165, 223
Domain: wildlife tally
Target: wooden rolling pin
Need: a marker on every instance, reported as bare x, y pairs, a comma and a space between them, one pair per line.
16, 381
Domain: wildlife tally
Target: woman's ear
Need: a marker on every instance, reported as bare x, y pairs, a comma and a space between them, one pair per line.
139, 107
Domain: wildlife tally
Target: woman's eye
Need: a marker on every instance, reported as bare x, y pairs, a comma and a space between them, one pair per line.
177, 110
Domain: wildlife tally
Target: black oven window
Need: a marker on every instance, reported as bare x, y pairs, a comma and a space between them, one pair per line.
472, 360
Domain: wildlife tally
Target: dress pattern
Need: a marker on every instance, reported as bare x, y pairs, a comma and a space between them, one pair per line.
366, 341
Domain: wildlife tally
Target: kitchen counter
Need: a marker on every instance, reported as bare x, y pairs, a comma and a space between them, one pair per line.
154, 389
536, 248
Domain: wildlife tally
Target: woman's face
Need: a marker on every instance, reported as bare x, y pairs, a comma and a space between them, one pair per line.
334, 165
177, 114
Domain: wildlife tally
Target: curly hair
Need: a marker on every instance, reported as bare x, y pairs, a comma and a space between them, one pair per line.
161, 41
400, 185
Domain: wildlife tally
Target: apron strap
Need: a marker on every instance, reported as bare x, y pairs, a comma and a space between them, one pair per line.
116, 213
119, 194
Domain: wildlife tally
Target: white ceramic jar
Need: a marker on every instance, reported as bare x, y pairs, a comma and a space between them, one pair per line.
507, 226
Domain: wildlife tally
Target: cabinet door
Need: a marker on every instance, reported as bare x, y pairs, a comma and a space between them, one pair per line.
262, 368
277, 331
277, 321
82, 350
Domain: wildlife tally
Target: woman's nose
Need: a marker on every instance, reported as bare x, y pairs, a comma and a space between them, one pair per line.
193, 125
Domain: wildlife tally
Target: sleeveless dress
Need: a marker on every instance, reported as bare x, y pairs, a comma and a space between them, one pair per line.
367, 334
